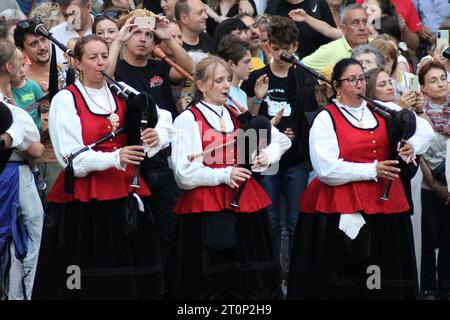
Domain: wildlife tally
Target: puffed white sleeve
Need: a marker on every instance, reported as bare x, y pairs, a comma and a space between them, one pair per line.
23, 130
424, 134
165, 131
324, 152
66, 135
186, 142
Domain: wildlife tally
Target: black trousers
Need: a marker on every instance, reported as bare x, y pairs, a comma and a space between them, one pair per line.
164, 197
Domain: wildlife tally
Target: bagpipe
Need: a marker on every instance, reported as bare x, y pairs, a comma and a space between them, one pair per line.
255, 134
252, 126
401, 124
141, 113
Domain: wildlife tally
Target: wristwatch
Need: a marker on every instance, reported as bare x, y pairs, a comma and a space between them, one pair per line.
255, 100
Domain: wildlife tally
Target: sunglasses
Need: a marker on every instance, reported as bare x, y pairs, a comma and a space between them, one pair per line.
25, 24
108, 14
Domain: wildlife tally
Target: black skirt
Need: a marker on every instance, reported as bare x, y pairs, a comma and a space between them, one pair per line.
326, 264
199, 269
91, 236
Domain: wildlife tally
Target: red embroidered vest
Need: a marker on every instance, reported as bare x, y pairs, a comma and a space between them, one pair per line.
360, 146
100, 185
218, 198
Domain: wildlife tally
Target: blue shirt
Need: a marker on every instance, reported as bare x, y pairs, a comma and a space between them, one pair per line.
238, 95
433, 12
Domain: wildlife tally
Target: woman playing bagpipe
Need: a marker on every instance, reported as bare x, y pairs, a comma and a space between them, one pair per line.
87, 230
381, 89
350, 243
220, 251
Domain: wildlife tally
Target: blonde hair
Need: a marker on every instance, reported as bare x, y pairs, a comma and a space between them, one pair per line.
205, 70
134, 13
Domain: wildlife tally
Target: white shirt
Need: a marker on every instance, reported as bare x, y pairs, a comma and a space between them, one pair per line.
324, 148
66, 131
63, 33
192, 174
23, 130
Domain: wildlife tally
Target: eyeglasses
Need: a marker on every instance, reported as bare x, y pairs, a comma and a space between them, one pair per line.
353, 81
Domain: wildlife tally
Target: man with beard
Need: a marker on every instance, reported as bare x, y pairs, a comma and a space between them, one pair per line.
78, 22
254, 40
37, 49
356, 32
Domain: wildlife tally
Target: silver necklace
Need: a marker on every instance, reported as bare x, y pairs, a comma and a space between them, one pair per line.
113, 117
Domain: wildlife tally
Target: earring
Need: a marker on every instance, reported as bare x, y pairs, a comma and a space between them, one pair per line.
338, 96
81, 76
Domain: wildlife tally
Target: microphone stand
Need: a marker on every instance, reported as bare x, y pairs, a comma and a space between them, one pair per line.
41, 30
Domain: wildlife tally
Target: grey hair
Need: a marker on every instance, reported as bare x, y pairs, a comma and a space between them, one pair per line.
350, 7
366, 48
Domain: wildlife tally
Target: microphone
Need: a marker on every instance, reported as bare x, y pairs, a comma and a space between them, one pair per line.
41, 30
158, 53
446, 53
292, 59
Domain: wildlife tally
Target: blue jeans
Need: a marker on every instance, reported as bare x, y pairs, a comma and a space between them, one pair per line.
290, 182
435, 234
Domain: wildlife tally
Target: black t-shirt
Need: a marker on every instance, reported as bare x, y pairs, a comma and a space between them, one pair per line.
309, 39
283, 93
153, 78
153, 6
205, 44
211, 25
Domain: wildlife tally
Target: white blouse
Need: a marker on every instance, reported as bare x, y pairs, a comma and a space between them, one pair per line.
324, 148
192, 174
66, 131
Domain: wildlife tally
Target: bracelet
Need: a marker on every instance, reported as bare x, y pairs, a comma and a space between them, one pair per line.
255, 100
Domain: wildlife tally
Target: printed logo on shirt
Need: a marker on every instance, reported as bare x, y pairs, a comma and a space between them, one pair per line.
28, 97
156, 81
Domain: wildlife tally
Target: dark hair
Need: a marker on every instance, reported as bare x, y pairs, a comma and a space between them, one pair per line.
226, 27
21, 32
341, 67
78, 51
181, 7
232, 48
282, 30
371, 82
387, 7
390, 26
426, 68
101, 18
